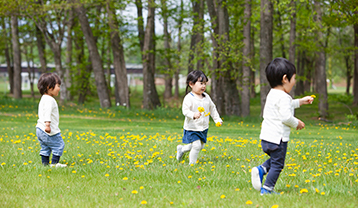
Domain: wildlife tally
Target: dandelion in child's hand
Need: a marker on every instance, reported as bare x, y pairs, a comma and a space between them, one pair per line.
208, 114
218, 124
201, 109
313, 96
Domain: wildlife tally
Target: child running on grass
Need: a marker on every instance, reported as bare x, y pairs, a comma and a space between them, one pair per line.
278, 117
197, 106
47, 130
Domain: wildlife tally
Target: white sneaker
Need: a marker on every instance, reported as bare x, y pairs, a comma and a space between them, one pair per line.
58, 165
179, 152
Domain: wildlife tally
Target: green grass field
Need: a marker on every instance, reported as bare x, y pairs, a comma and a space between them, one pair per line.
126, 158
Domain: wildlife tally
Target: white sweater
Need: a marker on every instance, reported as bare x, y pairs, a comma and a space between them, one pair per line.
278, 117
48, 111
190, 107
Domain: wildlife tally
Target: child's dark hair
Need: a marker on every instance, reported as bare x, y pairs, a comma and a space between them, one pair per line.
277, 68
193, 77
47, 81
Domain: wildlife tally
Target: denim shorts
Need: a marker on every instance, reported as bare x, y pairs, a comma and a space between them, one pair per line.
49, 143
192, 136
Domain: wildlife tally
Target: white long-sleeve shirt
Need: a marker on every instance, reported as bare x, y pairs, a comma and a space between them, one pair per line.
190, 107
278, 117
48, 111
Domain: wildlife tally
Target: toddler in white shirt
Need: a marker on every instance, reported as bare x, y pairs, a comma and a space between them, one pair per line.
197, 106
278, 120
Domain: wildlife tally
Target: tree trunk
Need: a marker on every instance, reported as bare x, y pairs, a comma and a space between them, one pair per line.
41, 50
282, 38
245, 98
253, 68
176, 75
140, 23
299, 88
265, 47
231, 94
307, 84
292, 48
119, 63
197, 35
150, 95
17, 57
216, 90
67, 71
348, 72
168, 54
96, 60
320, 67
30, 69
355, 73
7, 53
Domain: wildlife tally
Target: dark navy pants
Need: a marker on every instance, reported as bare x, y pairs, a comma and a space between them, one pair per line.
275, 164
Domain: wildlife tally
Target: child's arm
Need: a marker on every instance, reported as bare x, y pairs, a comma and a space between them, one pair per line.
306, 100
48, 127
214, 113
186, 109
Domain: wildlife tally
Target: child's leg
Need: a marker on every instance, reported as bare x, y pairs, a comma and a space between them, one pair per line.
55, 159
186, 148
194, 152
277, 163
45, 160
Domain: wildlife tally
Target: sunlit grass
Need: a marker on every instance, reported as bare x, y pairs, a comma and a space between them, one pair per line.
126, 158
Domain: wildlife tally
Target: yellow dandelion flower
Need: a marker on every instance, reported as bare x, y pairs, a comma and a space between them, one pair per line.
237, 189
317, 191
313, 96
218, 124
106, 175
303, 191
141, 187
125, 178
223, 196
40, 175
73, 171
201, 109
134, 192
208, 114
179, 181
2, 164
171, 203
190, 176
323, 193
143, 202
249, 202
275, 206
288, 185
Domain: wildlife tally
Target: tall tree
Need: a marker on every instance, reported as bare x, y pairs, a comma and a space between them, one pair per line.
96, 60
320, 67
246, 84
52, 23
167, 52
292, 48
231, 94
216, 91
17, 56
266, 23
140, 23
197, 35
67, 70
180, 26
119, 63
150, 95
7, 53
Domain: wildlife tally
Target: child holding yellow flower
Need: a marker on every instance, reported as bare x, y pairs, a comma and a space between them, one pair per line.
278, 120
197, 106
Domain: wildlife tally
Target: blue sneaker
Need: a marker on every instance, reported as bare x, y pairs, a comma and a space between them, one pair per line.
265, 191
257, 173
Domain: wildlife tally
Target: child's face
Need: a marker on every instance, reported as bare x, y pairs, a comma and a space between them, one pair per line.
54, 92
288, 85
199, 87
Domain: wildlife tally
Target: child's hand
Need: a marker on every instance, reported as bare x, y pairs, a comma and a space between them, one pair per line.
197, 115
300, 125
306, 100
48, 129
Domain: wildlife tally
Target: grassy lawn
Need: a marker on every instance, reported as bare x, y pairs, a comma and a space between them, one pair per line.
126, 158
